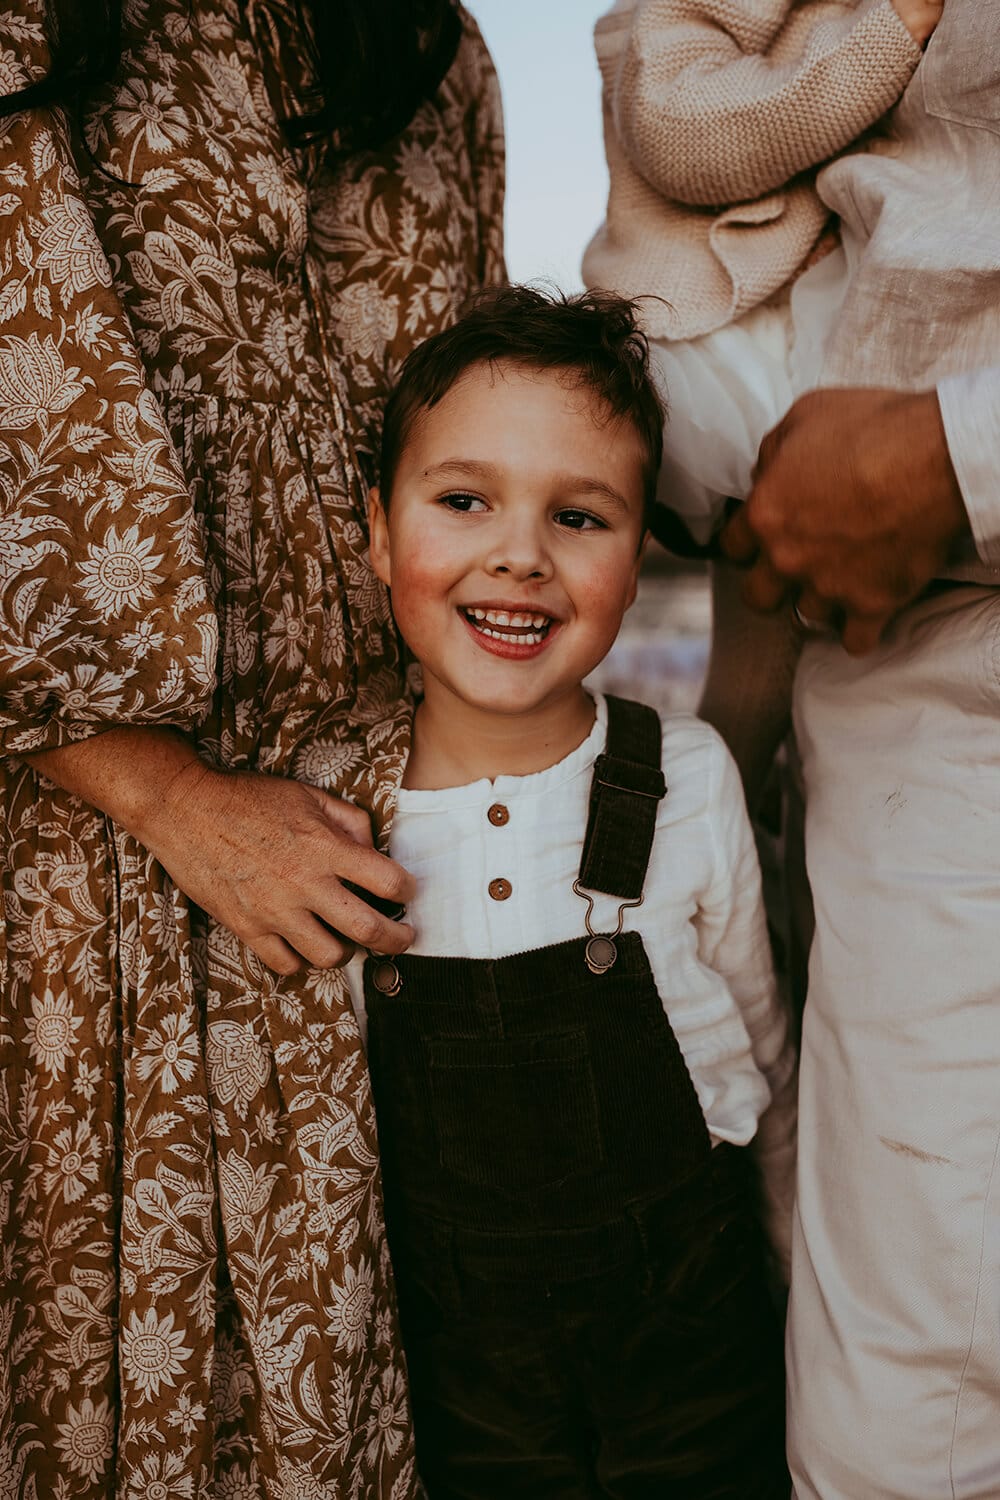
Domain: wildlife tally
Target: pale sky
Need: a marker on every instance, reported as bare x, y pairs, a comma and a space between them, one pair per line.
557, 180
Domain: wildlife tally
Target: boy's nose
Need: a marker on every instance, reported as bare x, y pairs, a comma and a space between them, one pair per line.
520, 553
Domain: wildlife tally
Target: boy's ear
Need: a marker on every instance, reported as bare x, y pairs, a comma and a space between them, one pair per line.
378, 531
637, 569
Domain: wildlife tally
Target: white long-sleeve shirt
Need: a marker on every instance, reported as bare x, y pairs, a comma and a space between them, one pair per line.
701, 920
922, 203
970, 410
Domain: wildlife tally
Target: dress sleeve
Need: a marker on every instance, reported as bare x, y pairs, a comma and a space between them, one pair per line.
733, 940
719, 103
104, 611
970, 410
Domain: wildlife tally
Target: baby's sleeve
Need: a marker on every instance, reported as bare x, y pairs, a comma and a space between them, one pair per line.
720, 103
104, 610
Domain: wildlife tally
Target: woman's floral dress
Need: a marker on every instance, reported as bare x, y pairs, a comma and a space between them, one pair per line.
197, 329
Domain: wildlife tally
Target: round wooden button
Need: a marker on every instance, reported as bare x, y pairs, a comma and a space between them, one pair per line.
498, 815
500, 889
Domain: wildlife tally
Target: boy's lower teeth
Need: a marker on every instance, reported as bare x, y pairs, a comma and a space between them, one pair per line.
520, 638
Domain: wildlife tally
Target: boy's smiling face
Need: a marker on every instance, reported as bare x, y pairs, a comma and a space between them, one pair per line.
513, 538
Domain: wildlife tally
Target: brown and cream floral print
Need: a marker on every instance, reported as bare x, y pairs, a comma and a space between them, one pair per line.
197, 330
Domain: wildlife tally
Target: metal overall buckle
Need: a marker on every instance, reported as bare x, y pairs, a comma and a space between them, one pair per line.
386, 977
601, 950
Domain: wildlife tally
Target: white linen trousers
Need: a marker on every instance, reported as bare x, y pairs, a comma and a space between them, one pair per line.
894, 1317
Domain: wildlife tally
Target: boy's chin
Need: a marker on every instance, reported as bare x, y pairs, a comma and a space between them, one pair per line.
507, 703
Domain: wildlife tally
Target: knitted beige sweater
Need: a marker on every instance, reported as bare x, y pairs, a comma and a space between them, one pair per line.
715, 115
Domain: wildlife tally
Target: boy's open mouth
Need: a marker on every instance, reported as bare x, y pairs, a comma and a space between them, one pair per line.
522, 629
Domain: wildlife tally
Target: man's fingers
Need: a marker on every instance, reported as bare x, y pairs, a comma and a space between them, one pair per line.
736, 539
813, 611
770, 443
862, 633
765, 589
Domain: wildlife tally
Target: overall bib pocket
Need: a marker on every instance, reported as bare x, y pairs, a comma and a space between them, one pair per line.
516, 1115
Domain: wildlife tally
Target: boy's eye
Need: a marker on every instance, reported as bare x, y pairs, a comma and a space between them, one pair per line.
580, 520
463, 503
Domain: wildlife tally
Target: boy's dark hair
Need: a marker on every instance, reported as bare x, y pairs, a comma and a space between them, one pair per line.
592, 335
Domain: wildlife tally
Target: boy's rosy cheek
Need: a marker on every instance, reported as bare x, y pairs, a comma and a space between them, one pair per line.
415, 591
419, 585
604, 589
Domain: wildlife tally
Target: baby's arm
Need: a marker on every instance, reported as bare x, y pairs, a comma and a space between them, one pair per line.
720, 102
732, 940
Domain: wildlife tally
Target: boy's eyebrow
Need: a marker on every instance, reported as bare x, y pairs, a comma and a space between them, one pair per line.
462, 466
577, 484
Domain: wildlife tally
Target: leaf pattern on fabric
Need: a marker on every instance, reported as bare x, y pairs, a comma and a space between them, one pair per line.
197, 331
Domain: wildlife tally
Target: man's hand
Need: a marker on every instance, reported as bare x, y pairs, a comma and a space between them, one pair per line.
855, 508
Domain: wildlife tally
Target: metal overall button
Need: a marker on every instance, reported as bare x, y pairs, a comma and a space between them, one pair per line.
386, 977
601, 952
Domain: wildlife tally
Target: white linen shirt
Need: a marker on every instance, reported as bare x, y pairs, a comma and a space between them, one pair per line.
701, 920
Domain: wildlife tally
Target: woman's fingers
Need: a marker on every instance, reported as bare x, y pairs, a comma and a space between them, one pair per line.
346, 816
314, 944
267, 856
367, 868
273, 951
352, 918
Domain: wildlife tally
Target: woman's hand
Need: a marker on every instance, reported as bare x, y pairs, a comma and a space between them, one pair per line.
268, 857
265, 856
919, 17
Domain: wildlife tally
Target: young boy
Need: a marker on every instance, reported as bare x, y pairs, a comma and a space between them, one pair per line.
585, 1031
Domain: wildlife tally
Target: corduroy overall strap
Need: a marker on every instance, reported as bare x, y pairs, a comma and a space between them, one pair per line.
625, 792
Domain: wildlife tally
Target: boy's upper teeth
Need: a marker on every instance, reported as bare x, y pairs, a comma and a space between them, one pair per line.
504, 617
